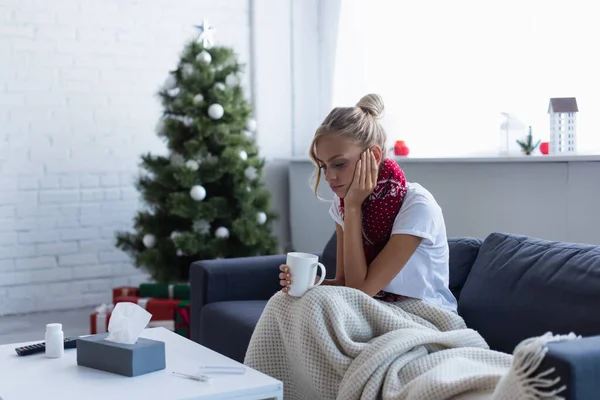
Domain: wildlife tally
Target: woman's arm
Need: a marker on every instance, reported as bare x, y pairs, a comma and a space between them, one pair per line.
339, 259
351, 267
396, 253
388, 263
355, 267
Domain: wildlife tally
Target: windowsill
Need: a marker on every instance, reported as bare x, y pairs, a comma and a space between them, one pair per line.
482, 159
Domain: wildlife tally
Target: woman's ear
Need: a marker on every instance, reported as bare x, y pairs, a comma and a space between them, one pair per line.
376, 150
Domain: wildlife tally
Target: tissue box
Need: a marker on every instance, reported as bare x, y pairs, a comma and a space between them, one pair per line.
180, 291
144, 356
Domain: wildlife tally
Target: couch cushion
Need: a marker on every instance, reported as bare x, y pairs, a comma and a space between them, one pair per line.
463, 252
329, 256
521, 287
226, 327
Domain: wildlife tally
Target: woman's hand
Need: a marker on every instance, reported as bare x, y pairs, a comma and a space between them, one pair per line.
285, 278
365, 180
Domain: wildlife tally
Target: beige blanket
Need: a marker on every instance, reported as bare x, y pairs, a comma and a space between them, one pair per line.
339, 343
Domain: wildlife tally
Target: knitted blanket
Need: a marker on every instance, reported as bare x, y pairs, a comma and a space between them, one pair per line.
339, 343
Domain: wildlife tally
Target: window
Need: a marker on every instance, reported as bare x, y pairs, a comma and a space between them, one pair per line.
446, 70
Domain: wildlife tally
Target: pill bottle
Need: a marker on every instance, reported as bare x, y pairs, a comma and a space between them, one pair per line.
55, 338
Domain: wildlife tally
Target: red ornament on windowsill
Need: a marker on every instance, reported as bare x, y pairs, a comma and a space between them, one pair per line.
545, 147
400, 148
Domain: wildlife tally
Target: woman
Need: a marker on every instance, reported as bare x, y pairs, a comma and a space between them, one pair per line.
391, 236
386, 326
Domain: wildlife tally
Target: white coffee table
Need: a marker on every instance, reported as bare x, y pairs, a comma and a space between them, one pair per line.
38, 377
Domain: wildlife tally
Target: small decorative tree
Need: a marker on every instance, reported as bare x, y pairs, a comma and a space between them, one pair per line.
206, 199
528, 146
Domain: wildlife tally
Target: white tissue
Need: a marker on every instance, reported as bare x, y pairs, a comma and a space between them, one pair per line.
126, 323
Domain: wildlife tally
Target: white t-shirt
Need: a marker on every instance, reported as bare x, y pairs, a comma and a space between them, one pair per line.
426, 274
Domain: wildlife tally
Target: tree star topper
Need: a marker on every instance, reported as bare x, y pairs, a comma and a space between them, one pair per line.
206, 34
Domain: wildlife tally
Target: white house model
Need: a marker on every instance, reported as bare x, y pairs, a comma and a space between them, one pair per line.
563, 125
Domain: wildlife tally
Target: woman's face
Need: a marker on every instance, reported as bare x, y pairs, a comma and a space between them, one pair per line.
337, 159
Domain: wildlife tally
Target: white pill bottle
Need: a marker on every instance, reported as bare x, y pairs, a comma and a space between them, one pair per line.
55, 338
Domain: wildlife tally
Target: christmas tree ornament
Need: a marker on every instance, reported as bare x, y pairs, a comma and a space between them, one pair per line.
149, 240
251, 125
170, 82
248, 189
248, 133
261, 218
243, 155
175, 235
179, 253
204, 57
202, 227
220, 86
198, 99
198, 192
216, 111
187, 121
173, 92
192, 164
232, 80
250, 173
177, 160
222, 232
206, 34
187, 70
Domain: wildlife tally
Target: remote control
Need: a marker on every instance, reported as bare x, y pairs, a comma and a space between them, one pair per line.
70, 343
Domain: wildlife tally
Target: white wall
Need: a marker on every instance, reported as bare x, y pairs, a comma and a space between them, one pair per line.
291, 71
553, 198
77, 108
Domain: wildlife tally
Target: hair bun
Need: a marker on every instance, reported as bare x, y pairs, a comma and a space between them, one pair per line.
372, 104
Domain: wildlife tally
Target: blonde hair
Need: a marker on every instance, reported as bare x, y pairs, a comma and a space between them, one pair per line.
359, 124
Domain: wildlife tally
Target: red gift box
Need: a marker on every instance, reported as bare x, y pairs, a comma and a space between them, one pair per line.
161, 309
182, 319
99, 319
125, 291
99, 322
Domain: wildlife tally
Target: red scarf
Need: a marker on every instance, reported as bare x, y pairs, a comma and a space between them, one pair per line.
380, 208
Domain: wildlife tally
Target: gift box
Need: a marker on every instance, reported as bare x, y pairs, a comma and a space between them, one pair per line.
161, 309
182, 318
169, 325
179, 291
124, 291
140, 358
100, 318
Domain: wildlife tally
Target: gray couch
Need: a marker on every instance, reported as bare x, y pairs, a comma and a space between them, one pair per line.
509, 287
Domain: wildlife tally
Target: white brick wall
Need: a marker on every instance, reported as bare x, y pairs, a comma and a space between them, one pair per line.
77, 108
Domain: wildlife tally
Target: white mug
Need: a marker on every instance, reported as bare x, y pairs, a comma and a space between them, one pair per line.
303, 267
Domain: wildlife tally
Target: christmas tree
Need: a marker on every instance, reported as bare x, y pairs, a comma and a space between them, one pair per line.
206, 198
